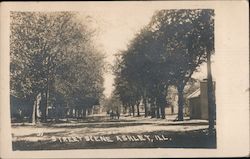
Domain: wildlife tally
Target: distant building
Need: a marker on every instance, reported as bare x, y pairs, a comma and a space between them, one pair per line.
172, 101
198, 102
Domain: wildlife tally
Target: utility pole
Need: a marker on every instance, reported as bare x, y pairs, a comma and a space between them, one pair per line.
210, 94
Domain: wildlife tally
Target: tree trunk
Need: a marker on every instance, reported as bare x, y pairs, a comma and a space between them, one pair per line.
46, 103
77, 113
138, 109
133, 110
42, 107
80, 112
152, 109
129, 111
57, 113
124, 109
71, 112
158, 111
84, 112
162, 106
163, 114
34, 112
180, 103
210, 94
47, 90
145, 106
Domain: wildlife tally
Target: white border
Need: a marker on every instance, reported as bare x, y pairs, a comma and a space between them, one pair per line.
231, 58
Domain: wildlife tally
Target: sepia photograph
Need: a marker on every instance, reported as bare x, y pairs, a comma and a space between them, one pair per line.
59, 99
113, 78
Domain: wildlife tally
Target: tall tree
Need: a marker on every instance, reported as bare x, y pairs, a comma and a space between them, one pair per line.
42, 46
144, 68
187, 35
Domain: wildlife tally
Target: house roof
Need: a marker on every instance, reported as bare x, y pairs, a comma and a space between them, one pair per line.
194, 94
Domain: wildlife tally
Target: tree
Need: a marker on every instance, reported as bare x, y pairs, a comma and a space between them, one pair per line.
144, 70
42, 47
167, 52
82, 83
113, 104
187, 35
126, 91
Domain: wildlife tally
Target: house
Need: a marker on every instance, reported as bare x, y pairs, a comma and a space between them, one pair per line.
198, 102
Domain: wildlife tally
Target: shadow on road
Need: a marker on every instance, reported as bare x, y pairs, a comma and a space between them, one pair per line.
191, 139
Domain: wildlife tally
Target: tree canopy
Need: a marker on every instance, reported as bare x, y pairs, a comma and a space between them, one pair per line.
53, 53
166, 52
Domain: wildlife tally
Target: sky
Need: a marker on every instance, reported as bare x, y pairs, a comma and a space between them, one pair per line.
115, 28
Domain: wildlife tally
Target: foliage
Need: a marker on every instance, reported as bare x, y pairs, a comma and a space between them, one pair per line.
52, 53
166, 52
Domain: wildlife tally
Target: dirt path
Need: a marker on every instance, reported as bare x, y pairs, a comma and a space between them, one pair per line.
126, 132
